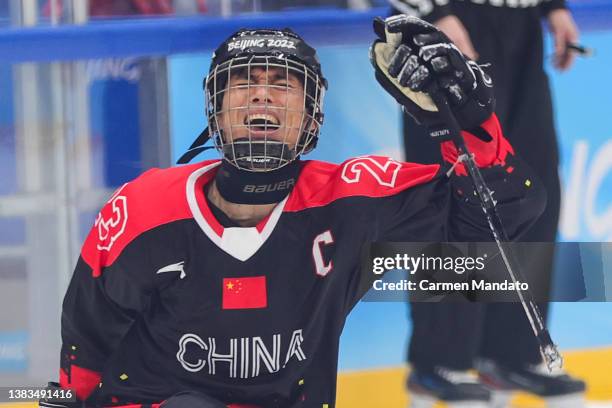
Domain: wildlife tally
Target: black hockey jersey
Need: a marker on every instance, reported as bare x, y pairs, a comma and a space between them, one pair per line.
165, 299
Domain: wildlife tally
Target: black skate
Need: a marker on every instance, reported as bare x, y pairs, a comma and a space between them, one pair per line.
558, 389
458, 389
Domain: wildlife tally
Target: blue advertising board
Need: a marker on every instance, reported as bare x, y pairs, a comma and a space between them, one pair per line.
13, 351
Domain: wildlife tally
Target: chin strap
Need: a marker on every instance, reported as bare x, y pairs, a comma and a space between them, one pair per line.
196, 147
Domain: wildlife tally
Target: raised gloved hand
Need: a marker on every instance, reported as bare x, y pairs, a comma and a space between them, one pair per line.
414, 61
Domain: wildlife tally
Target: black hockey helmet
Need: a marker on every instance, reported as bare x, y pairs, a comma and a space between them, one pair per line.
281, 51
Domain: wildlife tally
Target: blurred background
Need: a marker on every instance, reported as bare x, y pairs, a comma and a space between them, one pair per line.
92, 93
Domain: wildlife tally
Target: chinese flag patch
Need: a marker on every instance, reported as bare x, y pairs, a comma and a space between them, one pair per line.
245, 293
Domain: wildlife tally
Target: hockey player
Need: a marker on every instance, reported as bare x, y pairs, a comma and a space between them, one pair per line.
227, 282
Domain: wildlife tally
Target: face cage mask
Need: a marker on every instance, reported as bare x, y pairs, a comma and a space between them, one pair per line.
263, 111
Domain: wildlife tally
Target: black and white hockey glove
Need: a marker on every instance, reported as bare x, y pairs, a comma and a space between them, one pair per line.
413, 59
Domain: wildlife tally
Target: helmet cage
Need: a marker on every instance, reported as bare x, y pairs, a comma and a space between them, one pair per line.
255, 144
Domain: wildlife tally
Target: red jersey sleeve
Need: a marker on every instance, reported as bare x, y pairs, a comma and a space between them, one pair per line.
113, 281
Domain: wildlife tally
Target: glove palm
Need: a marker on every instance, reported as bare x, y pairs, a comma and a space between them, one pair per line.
413, 60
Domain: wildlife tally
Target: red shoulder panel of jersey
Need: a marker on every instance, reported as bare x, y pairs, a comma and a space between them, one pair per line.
322, 183
155, 198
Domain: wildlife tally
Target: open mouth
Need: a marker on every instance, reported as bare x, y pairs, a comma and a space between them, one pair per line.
262, 122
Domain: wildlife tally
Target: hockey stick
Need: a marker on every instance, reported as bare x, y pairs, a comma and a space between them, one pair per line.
548, 349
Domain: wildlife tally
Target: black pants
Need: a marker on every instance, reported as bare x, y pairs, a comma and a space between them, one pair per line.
192, 399
453, 334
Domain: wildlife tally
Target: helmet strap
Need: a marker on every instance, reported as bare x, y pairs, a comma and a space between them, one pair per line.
247, 187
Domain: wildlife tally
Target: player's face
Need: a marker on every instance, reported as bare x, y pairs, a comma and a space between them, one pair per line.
263, 103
